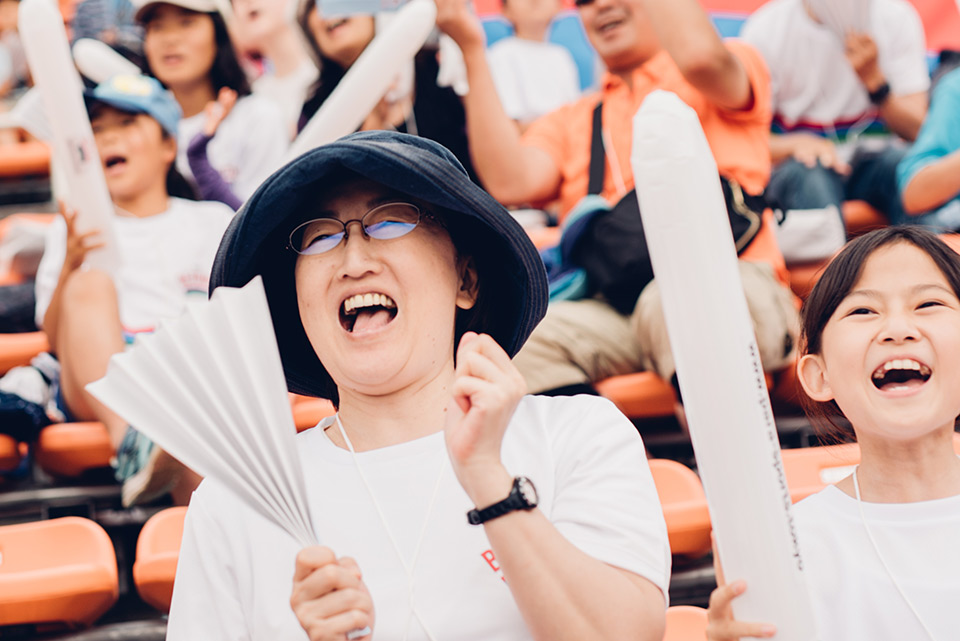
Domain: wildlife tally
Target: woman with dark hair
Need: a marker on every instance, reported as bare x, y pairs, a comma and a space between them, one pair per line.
450, 505
422, 108
880, 365
187, 47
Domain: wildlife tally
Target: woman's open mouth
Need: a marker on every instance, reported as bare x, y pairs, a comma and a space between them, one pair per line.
363, 313
900, 374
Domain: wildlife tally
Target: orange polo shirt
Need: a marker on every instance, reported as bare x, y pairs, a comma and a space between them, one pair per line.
738, 139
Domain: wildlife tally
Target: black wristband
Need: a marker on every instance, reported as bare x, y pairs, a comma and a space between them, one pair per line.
880, 94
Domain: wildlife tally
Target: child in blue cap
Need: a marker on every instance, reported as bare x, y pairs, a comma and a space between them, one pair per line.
166, 243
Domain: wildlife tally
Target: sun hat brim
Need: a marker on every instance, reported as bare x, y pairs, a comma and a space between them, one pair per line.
255, 242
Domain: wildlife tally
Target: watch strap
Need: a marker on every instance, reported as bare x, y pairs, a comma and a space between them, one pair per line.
514, 501
879, 95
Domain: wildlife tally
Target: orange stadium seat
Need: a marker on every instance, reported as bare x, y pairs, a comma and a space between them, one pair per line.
639, 395
18, 349
810, 469
158, 549
56, 572
684, 507
10, 455
307, 412
25, 159
70, 449
544, 237
686, 623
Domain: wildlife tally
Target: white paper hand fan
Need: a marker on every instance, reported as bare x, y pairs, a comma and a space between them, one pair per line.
844, 17
99, 62
718, 366
209, 389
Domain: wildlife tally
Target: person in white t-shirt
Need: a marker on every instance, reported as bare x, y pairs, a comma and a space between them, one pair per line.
533, 76
188, 49
265, 28
449, 505
828, 89
165, 244
882, 351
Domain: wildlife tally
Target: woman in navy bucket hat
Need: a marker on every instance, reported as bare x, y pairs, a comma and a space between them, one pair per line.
449, 505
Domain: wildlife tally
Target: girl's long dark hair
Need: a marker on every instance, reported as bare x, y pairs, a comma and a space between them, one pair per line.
331, 73
838, 280
226, 70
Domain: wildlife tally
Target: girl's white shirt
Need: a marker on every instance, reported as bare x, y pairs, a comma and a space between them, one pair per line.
165, 261
235, 573
249, 144
854, 598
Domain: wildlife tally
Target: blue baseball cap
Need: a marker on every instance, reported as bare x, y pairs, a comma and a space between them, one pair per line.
138, 94
513, 281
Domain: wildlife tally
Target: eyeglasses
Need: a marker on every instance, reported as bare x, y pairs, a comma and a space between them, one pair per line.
384, 222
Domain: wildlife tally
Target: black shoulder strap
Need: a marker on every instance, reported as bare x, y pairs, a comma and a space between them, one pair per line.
598, 160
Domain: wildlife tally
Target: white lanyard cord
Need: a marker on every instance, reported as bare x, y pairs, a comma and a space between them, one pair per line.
876, 549
396, 547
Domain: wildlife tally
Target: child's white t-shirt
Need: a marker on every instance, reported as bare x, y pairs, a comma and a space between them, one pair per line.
854, 598
235, 571
288, 92
165, 261
249, 144
532, 78
812, 82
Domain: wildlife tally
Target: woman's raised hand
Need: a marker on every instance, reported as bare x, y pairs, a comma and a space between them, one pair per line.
486, 390
457, 19
329, 597
217, 110
78, 245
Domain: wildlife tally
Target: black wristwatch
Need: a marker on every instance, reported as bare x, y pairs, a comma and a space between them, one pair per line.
879, 95
523, 496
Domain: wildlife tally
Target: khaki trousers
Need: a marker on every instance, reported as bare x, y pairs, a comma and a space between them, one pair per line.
587, 341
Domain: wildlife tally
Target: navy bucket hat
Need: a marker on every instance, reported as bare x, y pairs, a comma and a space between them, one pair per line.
512, 278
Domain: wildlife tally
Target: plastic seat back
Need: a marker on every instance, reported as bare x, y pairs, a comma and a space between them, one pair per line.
158, 549
62, 571
67, 450
810, 469
684, 507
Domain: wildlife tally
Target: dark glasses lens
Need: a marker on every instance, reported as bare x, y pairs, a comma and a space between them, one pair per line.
385, 222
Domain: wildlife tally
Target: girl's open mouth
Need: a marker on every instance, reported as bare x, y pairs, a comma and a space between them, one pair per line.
364, 313
900, 374
114, 161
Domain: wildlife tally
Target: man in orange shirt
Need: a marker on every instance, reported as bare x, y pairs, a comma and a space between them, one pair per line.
646, 45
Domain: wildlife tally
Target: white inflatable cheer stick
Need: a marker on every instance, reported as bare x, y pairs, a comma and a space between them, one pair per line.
718, 365
369, 78
48, 54
99, 62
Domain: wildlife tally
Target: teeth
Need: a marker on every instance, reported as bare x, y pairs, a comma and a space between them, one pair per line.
901, 363
367, 300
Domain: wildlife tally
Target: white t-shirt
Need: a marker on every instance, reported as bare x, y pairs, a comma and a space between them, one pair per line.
165, 261
813, 84
235, 572
249, 145
853, 596
532, 78
288, 92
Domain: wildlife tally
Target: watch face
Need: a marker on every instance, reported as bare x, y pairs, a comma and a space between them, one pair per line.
527, 490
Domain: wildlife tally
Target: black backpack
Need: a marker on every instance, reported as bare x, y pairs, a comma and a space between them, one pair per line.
613, 248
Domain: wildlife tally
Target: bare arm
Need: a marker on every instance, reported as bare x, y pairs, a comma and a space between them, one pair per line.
577, 598
512, 172
687, 34
903, 113
934, 185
